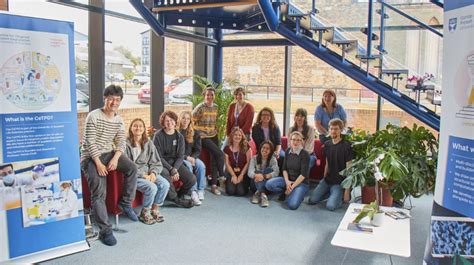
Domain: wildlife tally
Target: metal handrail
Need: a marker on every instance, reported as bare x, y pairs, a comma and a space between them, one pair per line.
422, 24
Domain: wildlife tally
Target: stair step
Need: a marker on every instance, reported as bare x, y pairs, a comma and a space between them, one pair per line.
395, 72
364, 58
168, 5
347, 45
328, 32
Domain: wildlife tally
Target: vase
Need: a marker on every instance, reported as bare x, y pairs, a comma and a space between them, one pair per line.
368, 195
378, 219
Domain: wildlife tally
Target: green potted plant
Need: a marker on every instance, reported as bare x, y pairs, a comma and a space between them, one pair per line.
223, 99
373, 212
408, 165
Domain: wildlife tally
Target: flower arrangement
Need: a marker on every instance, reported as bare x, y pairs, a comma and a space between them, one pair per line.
150, 131
420, 80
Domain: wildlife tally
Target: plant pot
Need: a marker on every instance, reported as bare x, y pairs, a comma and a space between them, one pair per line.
378, 219
368, 196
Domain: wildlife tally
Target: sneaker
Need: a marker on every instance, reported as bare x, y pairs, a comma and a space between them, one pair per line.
157, 216
222, 182
264, 200
128, 211
215, 190
201, 195
146, 217
108, 239
256, 197
282, 197
181, 202
195, 198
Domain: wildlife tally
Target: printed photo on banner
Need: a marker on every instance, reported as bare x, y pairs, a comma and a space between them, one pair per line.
17, 174
34, 72
452, 236
46, 203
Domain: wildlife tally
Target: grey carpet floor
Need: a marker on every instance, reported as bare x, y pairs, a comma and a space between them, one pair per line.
232, 230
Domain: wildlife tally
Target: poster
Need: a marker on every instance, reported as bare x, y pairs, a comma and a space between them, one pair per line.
40, 193
451, 238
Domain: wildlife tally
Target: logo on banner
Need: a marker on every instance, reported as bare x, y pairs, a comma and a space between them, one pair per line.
453, 22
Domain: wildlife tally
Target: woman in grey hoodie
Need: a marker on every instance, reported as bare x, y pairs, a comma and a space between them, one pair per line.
149, 181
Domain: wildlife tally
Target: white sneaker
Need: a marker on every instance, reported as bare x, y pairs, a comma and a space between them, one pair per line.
195, 198
201, 195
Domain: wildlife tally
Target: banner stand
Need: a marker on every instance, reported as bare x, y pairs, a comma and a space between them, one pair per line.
52, 253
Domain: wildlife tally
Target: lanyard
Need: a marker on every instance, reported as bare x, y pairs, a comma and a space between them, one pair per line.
236, 157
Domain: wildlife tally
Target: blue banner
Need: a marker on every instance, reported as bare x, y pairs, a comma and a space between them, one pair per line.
41, 206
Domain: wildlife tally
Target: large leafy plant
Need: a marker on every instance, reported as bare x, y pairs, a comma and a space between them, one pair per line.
223, 99
408, 166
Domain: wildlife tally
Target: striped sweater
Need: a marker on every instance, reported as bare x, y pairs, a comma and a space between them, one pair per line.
205, 119
102, 135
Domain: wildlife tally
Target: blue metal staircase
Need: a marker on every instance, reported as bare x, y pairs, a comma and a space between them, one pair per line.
301, 28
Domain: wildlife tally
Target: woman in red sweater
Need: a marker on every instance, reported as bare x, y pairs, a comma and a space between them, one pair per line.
240, 114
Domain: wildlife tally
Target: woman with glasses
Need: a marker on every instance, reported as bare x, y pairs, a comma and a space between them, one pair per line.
301, 125
294, 184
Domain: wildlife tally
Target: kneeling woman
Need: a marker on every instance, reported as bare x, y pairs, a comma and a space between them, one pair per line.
295, 169
149, 181
237, 156
263, 167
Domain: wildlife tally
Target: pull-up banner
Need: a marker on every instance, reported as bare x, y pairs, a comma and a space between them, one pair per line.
41, 210
451, 239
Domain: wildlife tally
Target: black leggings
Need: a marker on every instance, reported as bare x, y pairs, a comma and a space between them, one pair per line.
239, 189
185, 176
217, 157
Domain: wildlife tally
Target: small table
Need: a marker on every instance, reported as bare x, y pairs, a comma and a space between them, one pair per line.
392, 237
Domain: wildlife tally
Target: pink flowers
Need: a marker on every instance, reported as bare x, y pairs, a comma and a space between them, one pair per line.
420, 79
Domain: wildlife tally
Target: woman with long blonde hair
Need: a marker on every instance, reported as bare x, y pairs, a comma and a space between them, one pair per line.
237, 155
192, 150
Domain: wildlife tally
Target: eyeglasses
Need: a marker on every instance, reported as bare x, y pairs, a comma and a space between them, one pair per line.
265, 115
114, 99
296, 139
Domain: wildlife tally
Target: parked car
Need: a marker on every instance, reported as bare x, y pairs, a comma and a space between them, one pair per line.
82, 100
181, 92
144, 92
141, 78
117, 77
82, 84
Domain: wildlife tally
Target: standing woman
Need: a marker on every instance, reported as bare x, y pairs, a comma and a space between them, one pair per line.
294, 183
266, 128
263, 167
149, 181
170, 145
205, 120
192, 150
237, 158
327, 111
240, 114
301, 125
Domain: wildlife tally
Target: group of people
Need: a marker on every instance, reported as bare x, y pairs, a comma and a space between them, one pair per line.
167, 166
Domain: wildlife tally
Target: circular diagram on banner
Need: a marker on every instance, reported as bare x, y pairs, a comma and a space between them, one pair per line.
30, 80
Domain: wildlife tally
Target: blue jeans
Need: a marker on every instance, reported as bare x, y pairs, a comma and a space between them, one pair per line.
260, 186
153, 192
296, 196
312, 161
333, 193
200, 174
